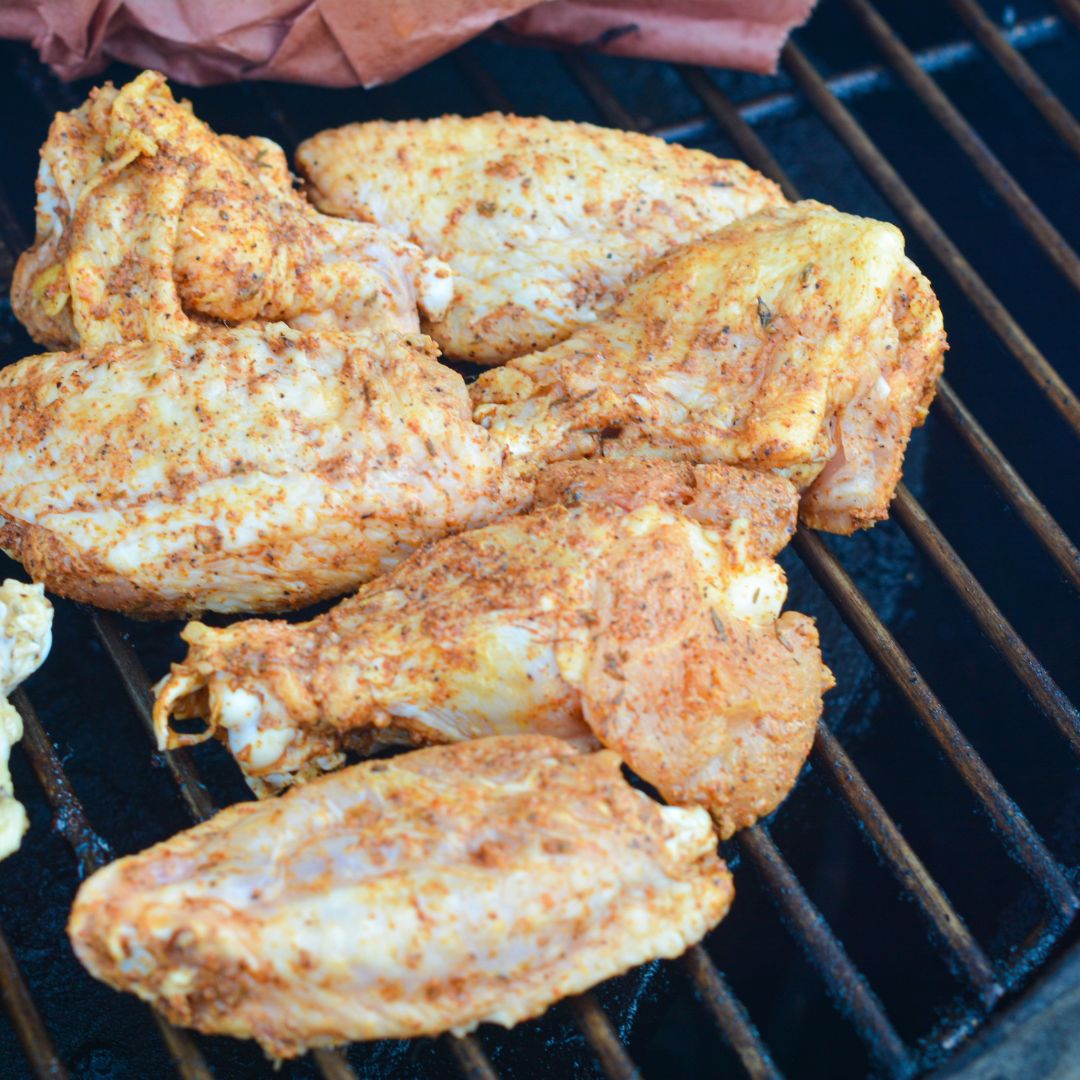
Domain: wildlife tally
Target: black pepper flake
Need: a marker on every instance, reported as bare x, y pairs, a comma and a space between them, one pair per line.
790, 648
611, 666
764, 313
718, 623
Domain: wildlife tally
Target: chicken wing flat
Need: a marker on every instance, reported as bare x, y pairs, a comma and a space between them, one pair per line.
800, 340
541, 221
25, 640
147, 219
252, 469
647, 622
427, 893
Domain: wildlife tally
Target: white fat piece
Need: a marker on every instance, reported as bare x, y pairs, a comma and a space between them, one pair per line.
247, 720
25, 640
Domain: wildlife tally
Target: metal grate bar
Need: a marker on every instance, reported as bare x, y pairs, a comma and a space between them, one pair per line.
823, 949
483, 83
26, 1020
333, 1065
731, 120
1012, 648
963, 953
990, 37
594, 1024
729, 1015
139, 688
471, 1059
69, 820
877, 166
1021, 840
1009, 483
601, 95
860, 81
91, 853
1071, 10
1006, 479
1053, 244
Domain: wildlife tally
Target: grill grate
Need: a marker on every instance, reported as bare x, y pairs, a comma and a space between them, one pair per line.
984, 980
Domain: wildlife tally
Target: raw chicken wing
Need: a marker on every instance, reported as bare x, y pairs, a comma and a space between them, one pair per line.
147, 220
431, 892
253, 469
541, 221
645, 617
799, 340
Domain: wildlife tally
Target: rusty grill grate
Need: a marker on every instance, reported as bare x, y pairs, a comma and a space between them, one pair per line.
981, 977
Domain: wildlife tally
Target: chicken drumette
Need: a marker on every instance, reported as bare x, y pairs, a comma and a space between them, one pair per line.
541, 221
800, 340
644, 616
147, 220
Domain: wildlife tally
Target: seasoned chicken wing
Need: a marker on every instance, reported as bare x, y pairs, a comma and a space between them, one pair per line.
146, 220
541, 221
25, 640
800, 340
252, 469
646, 617
427, 893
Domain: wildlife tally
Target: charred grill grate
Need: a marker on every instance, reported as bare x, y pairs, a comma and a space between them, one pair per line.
981, 976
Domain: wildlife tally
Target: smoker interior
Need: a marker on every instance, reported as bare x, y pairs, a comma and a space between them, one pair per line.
919, 882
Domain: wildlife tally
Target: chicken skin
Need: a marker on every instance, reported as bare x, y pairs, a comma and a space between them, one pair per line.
252, 469
541, 221
645, 616
800, 340
427, 893
25, 640
147, 220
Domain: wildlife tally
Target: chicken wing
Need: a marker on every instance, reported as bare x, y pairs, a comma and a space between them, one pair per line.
541, 221
146, 220
25, 640
431, 892
800, 340
645, 617
252, 469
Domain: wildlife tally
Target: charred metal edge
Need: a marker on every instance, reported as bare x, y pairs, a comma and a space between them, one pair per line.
1038, 1036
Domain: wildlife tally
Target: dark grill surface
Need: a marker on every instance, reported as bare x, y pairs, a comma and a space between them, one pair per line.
922, 878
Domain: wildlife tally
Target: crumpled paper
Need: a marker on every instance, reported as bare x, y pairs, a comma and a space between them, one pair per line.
346, 42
